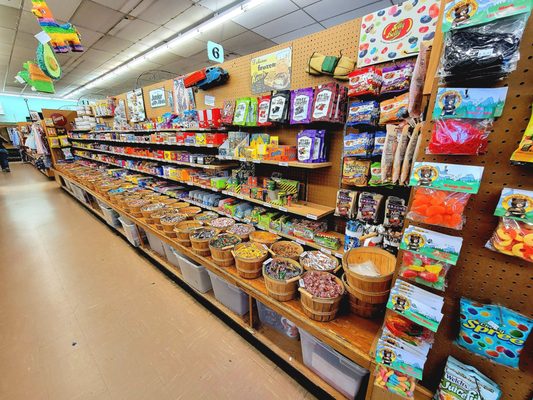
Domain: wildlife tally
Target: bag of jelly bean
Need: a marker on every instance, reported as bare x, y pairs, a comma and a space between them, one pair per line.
424, 270
397, 78
461, 381
394, 110
395, 381
438, 207
364, 81
514, 238
493, 331
459, 137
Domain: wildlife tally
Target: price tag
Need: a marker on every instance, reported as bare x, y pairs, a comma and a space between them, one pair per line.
298, 240
284, 164
242, 159
257, 161
311, 216
282, 209
339, 255
210, 145
324, 250
267, 262
301, 283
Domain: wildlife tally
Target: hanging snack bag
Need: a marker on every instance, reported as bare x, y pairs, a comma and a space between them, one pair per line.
368, 207
409, 154
362, 113
379, 143
493, 331
358, 145
242, 107
251, 117
319, 150
339, 115
399, 155
375, 174
263, 104
395, 210
279, 106
416, 88
460, 380
364, 81
346, 202
395, 382
306, 145
438, 207
301, 104
228, 109
514, 238
389, 150
394, 110
459, 136
324, 102
355, 172
524, 153
396, 78
424, 270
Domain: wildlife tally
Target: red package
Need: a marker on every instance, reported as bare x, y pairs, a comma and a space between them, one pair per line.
324, 102
424, 270
228, 109
364, 81
438, 207
202, 119
263, 104
459, 137
514, 238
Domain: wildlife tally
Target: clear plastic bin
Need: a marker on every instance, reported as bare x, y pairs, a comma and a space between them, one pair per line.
341, 373
194, 274
111, 217
131, 232
229, 295
271, 318
155, 243
171, 254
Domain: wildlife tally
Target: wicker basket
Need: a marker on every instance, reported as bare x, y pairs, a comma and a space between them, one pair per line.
320, 309
282, 290
190, 211
360, 307
205, 216
168, 226
135, 208
249, 268
231, 222
335, 261
148, 209
201, 246
223, 256
295, 249
384, 261
263, 237
183, 230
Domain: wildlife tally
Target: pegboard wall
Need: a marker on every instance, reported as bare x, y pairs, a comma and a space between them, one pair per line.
482, 274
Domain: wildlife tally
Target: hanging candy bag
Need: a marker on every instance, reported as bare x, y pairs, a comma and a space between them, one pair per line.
424, 270
514, 238
459, 136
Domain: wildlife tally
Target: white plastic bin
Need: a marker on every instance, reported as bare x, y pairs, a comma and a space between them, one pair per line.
171, 255
155, 243
131, 232
194, 274
341, 373
271, 318
229, 295
111, 217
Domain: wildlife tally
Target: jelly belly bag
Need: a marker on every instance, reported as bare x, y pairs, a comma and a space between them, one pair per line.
493, 331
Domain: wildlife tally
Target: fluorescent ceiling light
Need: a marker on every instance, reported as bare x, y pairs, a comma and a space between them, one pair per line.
210, 24
32, 97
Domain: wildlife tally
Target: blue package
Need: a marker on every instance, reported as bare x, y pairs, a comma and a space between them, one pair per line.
363, 113
379, 143
358, 144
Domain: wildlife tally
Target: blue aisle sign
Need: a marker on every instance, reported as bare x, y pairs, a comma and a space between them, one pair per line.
215, 52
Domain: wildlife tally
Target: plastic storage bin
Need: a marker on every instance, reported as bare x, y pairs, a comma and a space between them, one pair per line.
155, 243
171, 255
341, 373
229, 295
131, 232
271, 318
111, 217
194, 274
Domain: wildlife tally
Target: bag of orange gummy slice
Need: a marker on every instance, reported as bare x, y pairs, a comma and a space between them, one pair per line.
514, 238
438, 207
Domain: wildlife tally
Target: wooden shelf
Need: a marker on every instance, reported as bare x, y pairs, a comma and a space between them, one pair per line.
150, 143
204, 166
160, 130
290, 164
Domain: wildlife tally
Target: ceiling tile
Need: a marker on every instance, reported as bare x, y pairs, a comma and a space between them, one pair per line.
25, 40
112, 44
215, 5
28, 23
88, 37
325, 9
8, 17
135, 29
62, 10
246, 43
359, 12
114, 4
220, 33
298, 33
167, 58
11, 3
266, 12
7, 36
304, 3
188, 18
161, 11
140, 7
98, 55
285, 24
96, 17
157, 36
5, 50
190, 47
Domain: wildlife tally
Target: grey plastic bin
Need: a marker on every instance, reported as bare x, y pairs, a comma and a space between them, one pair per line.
271, 318
194, 274
229, 295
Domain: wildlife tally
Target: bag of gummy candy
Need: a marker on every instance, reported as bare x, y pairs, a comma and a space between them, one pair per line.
514, 238
493, 331
424, 270
461, 381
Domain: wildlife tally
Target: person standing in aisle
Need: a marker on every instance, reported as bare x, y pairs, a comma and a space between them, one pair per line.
4, 156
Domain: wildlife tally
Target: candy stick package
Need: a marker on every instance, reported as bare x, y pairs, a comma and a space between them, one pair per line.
389, 150
409, 154
493, 331
416, 88
399, 154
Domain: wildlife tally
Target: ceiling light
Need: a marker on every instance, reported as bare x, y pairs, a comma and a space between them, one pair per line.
32, 97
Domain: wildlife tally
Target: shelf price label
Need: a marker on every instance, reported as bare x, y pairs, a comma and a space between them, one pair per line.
282, 209
324, 250
298, 240
311, 216
284, 164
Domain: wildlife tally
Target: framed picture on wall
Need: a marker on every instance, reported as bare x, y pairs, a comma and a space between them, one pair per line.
271, 71
135, 103
157, 97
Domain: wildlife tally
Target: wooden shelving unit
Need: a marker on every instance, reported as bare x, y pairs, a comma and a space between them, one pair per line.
150, 143
290, 164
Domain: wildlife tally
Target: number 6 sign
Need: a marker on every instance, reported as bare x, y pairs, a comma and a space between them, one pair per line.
215, 52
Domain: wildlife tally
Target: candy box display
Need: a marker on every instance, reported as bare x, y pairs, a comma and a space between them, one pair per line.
493, 331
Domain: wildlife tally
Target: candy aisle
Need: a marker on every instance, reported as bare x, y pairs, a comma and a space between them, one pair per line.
369, 220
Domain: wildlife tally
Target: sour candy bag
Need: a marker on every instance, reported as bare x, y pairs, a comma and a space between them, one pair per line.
459, 136
514, 238
424, 270
395, 381
493, 331
438, 207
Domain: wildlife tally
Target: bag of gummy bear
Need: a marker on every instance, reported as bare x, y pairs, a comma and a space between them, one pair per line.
493, 331
461, 381
424, 270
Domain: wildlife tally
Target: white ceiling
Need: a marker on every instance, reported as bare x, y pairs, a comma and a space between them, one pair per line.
114, 31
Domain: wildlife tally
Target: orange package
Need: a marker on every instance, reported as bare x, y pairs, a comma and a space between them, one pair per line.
438, 207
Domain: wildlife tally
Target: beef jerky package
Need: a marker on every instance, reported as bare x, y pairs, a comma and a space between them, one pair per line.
280, 101
368, 207
301, 104
324, 102
228, 109
346, 203
263, 103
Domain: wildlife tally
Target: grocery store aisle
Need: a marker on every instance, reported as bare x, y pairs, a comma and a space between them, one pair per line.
82, 316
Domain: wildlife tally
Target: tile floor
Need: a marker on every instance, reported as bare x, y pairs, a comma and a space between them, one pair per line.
82, 316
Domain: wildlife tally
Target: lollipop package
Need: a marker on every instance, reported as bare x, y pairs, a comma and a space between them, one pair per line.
438, 207
459, 136
493, 331
424, 270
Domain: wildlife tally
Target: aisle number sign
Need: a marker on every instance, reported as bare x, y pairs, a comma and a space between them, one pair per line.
215, 52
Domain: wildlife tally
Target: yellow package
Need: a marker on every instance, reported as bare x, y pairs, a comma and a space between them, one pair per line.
524, 152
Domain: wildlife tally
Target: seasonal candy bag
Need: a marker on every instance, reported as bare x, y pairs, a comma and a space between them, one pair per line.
301, 104
459, 136
424, 270
438, 207
397, 78
514, 238
364, 81
461, 382
493, 331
